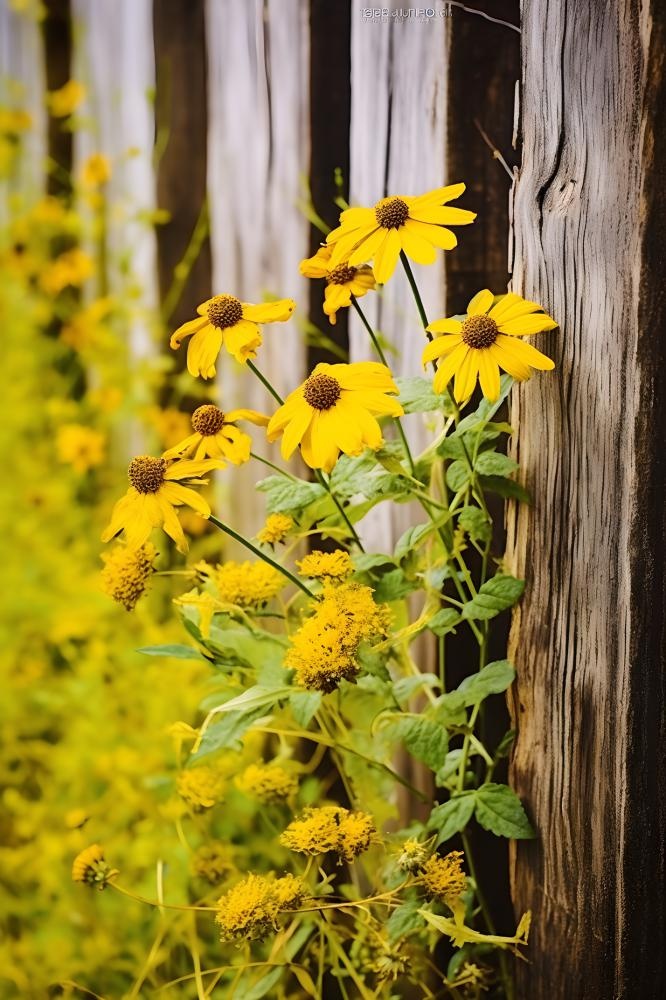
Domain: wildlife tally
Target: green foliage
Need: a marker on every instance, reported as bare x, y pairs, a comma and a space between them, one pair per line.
499, 810
494, 596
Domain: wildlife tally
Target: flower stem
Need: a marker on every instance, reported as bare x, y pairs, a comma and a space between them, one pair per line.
262, 378
378, 347
343, 514
415, 292
262, 555
275, 468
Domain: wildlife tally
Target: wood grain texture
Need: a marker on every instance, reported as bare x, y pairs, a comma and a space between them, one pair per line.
398, 145
589, 641
258, 142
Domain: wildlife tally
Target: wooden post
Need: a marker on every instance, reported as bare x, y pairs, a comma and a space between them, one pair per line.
589, 639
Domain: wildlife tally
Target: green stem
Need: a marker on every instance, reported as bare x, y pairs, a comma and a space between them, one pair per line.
378, 347
343, 514
505, 974
262, 555
275, 468
262, 378
415, 292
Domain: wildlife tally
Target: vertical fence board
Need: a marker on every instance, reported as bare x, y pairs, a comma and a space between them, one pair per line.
398, 145
258, 145
589, 639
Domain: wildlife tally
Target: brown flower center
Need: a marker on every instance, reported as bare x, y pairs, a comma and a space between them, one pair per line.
341, 275
321, 391
207, 420
146, 474
479, 331
391, 213
224, 311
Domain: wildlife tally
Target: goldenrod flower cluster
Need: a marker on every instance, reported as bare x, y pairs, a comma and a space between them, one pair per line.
324, 651
251, 909
444, 878
326, 565
247, 584
330, 828
201, 787
212, 862
126, 573
81, 447
276, 529
269, 783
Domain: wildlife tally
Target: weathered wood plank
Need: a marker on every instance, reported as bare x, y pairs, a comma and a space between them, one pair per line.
258, 145
589, 642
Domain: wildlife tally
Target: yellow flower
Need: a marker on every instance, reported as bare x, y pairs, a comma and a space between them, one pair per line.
216, 435
330, 828
96, 170
334, 410
276, 528
342, 281
126, 572
212, 862
326, 565
269, 783
91, 867
13, 121
73, 267
414, 855
64, 101
400, 222
444, 878
324, 650
201, 787
247, 584
250, 910
226, 321
487, 341
81, 447
156, 490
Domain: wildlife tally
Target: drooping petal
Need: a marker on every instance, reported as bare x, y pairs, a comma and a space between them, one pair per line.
420, 250
172, 525
375, 402
488, 375
510, 306
318, 446
370, 430
295, 429
345, 427
186, 330
363, 375
386, 257
351, 244
146, 515
242, 340
234, 444
189, 469
121, 513
528, 354
252, 416
448, 366
507, 360
437, 235
481, 303
203, 350
443, 216
177, 494
357, 217
525, 326
269, 312
465, 380
187, 444
336, 297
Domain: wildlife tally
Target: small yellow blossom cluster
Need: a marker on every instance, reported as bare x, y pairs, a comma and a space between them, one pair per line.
413, 856
444, 878
269, 783
201, 787
330, 828
67, 99
81, 447
212, 862
126, 573
324, 650
326, 565
250, 910
96, 170
92, 868
247, 584
276, 529
73, 267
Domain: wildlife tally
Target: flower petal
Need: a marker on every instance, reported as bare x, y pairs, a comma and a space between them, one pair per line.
437, 235
448, 366
416, 247
528, 355
438, 196
481, 303
440, 346
465, 381
525, 326
489, 375
445, 326
242, 340
443, 216
203, 350
507, 360
186, 330
295, 429
386, 257
252, 416
185, 445
269, 312
512, 305
176, 494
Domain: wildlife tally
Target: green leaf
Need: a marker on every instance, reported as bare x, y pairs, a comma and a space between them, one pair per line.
496, 595
475, 523
304, 705
404, 919
406, 687
451, 817
234, 645
418, 396
507, 488
255, 697
444, 621
503, 748
426, 740
457, 475
494, 678
368, 561
286, 496
262, 987
494, 463
499, 810
411, 539
176, 651
227, 733
393, 585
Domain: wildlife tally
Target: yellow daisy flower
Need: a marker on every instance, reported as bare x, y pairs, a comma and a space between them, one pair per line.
225, 320
157, 488
216, 435
276, 529
334, 410
400, 222
485, 341
342, 281
66, 100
